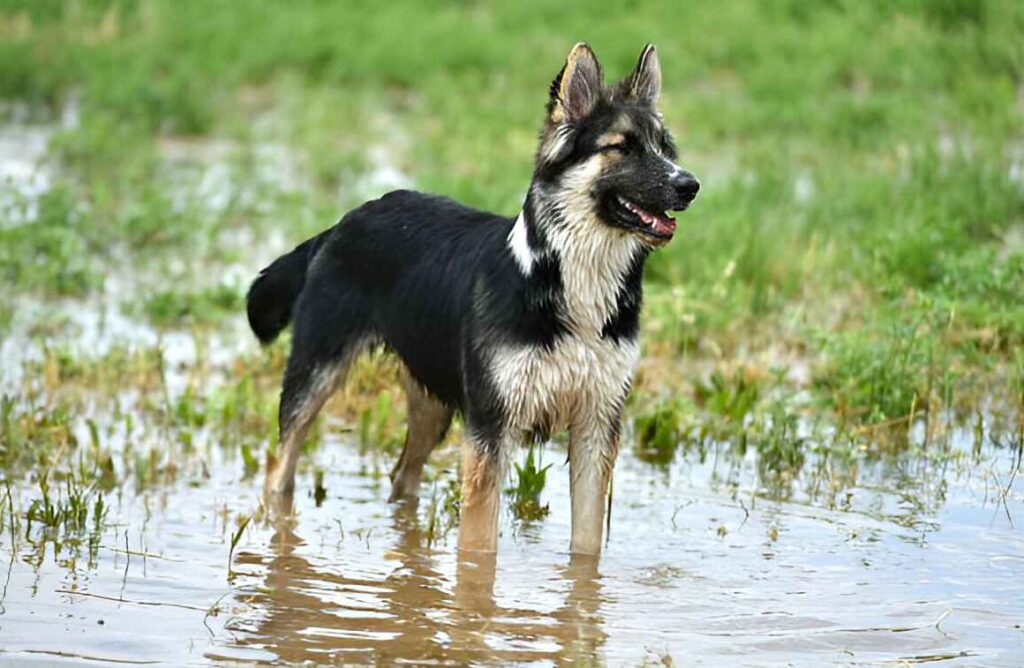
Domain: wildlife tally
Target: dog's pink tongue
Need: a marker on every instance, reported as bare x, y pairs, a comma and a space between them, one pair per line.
664, 225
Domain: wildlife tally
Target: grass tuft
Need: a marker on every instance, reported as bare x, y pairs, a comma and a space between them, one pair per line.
530, 478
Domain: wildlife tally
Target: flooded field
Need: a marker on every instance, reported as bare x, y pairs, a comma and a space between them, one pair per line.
908, 557
698, 568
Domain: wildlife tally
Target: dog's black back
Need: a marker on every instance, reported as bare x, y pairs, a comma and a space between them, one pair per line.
400, 271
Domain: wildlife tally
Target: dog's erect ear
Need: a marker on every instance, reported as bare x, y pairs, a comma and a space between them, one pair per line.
577, 88
644, 83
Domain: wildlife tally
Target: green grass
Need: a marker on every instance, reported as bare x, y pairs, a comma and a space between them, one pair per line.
380, 426
661, 429
887, 371
172, 308
443, 510
862, 206
530, 478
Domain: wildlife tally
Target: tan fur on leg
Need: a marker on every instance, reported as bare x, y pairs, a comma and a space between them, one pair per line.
481, 493
428, 422
591, 459
280, 481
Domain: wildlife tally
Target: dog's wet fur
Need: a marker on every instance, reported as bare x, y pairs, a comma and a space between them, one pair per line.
525, 325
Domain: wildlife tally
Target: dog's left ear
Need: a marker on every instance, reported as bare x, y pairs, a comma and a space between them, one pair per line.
644, 83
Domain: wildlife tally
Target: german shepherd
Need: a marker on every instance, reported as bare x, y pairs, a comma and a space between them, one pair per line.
525, 325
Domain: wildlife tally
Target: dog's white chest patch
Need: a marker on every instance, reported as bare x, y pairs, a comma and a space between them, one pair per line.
583, 378
579, 380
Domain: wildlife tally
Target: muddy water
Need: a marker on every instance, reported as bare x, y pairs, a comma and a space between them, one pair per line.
917, 563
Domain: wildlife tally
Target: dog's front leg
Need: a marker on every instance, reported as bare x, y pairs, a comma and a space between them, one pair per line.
593, 446
483, 470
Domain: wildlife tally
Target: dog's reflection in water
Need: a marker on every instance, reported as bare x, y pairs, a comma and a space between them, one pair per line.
305, 613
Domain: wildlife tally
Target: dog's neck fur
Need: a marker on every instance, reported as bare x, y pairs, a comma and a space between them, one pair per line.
558, 227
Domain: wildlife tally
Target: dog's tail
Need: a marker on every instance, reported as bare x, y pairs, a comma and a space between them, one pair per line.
273, 294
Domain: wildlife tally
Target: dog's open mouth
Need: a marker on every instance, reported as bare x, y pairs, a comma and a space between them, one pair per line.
657, 225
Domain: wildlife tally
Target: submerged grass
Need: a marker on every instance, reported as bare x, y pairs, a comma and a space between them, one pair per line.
530, 478
874, 376
443, 510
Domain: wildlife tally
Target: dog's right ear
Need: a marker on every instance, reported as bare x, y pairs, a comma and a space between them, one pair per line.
577, 88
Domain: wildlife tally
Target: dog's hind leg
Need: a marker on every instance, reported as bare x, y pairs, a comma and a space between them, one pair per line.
327, 337
429, 420
306, 388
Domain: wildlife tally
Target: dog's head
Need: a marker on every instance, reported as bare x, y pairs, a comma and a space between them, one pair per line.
606, 153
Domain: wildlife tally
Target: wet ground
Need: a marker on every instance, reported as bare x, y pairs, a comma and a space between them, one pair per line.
914, 564
909, 556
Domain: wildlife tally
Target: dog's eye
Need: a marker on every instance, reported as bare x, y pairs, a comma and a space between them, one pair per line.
668, 147
621, 147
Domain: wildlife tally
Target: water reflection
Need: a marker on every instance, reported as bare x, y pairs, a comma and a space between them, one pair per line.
408, 609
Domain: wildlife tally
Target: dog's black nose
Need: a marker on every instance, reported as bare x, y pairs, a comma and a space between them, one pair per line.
686, 185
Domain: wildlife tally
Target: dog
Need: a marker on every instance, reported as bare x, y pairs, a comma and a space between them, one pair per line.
525, 325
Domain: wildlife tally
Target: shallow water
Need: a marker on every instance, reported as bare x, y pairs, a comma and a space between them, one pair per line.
920, 564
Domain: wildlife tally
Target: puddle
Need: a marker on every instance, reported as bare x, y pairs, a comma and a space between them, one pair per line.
25, 173
22, 149
95, 327
203, 171
210, 171
213, 173
697, 568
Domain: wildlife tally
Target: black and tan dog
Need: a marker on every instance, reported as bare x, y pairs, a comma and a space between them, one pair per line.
524, 325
